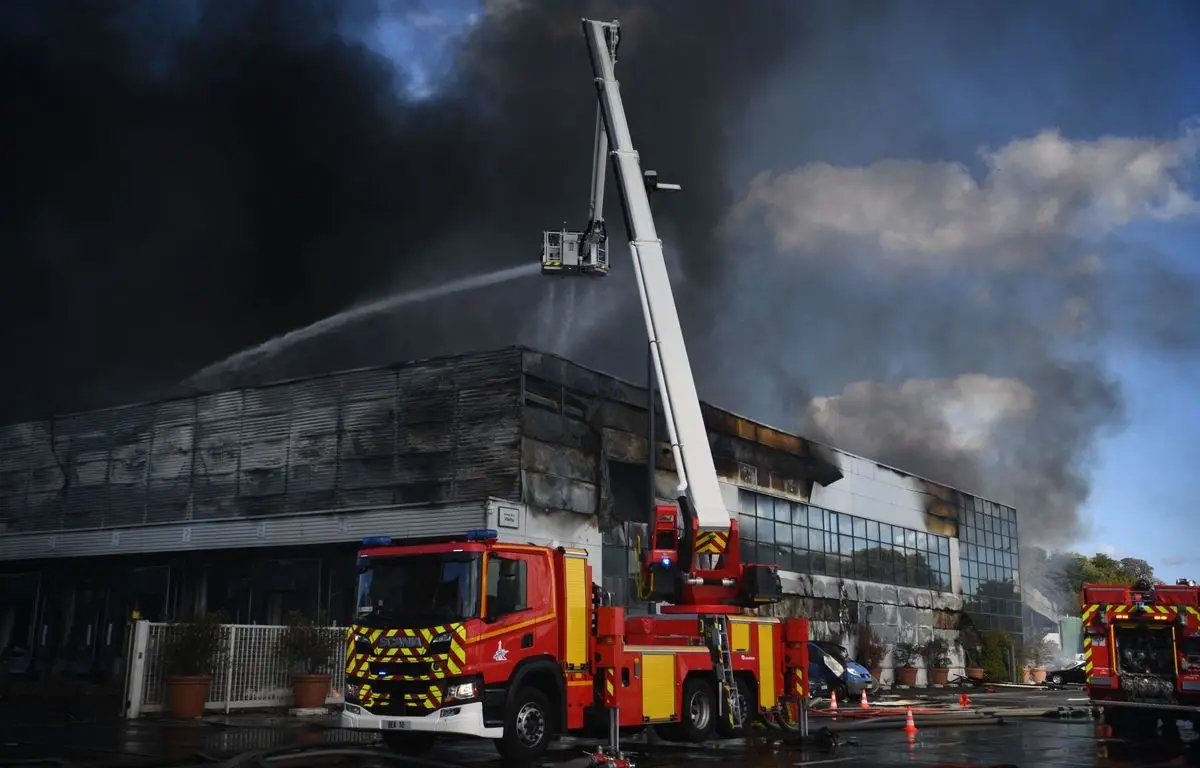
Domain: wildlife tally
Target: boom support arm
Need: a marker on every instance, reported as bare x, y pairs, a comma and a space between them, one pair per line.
698, 487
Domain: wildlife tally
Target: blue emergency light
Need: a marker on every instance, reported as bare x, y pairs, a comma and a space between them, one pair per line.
666, 562
377, 541
482, 534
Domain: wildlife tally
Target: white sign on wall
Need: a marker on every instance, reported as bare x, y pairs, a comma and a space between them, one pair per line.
509, 517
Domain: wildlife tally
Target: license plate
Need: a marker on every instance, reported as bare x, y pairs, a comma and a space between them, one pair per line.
394, 725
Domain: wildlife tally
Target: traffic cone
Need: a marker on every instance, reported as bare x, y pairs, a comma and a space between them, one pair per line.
833, 701
863, 703
909, 725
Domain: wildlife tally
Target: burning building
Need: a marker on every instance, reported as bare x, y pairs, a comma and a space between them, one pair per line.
252, 500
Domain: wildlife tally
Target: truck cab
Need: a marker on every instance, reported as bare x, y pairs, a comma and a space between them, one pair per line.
445, 631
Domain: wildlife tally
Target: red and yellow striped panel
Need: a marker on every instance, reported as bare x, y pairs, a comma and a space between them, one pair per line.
711, 542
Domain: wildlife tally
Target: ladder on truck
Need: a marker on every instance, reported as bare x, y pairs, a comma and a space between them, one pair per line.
715, 630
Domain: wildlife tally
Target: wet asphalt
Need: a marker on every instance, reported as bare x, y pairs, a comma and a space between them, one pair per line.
276, 739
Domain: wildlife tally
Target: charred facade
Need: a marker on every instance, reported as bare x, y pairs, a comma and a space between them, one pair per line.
251, 500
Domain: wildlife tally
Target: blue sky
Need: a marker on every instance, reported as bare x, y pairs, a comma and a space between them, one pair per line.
938, 83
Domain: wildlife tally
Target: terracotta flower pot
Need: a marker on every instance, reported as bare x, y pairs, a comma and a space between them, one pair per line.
309, 691
1037, 674
938, 675
186, 695
975, 673
906, 675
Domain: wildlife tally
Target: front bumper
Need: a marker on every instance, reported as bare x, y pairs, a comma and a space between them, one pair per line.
460, 719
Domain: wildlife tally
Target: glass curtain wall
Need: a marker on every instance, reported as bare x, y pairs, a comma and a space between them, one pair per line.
809, 539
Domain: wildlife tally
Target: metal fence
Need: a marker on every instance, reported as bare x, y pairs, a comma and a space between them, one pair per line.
248, 673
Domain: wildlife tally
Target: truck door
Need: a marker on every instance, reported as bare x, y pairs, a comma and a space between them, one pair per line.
518, 611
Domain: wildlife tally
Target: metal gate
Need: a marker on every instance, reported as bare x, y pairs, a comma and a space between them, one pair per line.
250, 673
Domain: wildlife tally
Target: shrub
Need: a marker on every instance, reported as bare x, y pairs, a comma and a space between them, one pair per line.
995, 644
192, 646
868, 650
969, 641
1036, 653
936, 653
903, 654
306, 645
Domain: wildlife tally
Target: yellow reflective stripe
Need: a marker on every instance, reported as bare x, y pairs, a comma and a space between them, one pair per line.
711, 542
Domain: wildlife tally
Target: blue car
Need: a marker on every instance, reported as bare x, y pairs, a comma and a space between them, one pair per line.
831, 669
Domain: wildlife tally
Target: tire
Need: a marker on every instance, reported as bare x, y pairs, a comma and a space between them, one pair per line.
1057, 680
528, 725
744, 699
411, 744
699, 713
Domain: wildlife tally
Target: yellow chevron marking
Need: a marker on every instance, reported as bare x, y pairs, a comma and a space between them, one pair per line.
712, 542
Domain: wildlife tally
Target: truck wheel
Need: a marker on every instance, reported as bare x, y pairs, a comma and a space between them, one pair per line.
409, 743
699, 714
744, 700
527, 726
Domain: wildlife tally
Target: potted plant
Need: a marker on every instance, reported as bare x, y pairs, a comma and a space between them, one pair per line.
1035, 656
936, 653
190, 650
869, 651
996, 645
903, 655
308, 647
972, 649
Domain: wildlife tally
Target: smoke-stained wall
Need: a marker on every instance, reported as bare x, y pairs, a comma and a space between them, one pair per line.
431, 432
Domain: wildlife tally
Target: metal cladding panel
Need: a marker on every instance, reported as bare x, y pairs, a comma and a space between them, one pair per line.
324, 528
426, 432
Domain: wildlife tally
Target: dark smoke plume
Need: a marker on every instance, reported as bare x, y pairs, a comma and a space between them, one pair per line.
194, 178
188, 179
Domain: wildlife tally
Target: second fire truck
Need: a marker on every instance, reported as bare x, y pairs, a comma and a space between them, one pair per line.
1141, 648
471, 636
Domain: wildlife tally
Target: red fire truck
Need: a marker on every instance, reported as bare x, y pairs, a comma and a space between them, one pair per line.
512, 642
1141, 648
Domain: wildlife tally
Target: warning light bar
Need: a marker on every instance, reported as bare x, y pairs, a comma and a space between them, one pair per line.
377, 541
482, 534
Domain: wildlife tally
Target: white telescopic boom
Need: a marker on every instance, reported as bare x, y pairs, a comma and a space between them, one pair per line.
681, 404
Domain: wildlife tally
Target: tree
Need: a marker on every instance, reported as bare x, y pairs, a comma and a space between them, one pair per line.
1137, 568
1101, 568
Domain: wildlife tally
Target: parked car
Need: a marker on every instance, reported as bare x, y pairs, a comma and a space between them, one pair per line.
1074, 673
830, 665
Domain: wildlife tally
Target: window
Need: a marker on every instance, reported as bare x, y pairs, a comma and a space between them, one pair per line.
506, 589
816, 518
783, 510
810, 539
766, 507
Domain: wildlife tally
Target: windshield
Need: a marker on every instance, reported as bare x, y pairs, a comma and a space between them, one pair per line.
410, 590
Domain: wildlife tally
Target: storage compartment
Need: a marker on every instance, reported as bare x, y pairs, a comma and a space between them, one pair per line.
1146, 661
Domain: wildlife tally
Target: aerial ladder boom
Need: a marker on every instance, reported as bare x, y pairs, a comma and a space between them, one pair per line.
698, 487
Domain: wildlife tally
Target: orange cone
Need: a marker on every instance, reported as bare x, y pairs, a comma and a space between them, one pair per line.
863, 703
833, 700
909, 725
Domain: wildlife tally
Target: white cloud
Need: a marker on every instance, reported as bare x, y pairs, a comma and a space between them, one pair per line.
928, 212
964, 414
